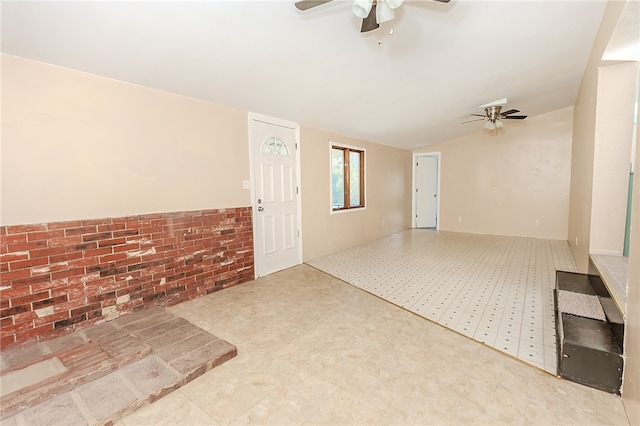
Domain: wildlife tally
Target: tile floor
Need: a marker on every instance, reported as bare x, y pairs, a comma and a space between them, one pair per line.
313, 350
496, 290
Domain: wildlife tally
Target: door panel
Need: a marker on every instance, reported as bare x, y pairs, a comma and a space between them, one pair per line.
288, 184
268, 234
426, 181
267, 183
275, 198
289, 231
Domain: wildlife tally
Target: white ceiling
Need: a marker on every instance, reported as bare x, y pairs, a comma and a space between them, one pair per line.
316, 68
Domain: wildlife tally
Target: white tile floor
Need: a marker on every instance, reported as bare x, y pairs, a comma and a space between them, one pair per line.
496, 290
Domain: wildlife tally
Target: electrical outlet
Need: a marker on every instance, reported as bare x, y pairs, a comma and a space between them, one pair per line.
459, 218
537, 222
246, 184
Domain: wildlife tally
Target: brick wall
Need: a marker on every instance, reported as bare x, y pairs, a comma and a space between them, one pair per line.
56, 277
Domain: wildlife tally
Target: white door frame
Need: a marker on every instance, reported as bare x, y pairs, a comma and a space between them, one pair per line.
413, 180
296, 128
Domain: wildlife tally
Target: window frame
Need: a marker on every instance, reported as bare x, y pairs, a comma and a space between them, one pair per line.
347, 149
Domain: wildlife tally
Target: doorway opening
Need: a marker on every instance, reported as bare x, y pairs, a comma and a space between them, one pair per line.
426, 190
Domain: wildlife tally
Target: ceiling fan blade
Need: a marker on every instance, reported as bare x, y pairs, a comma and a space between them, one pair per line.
443, 1
515, 117
308, 4
471, 121
511, 111
478, 115
369, 23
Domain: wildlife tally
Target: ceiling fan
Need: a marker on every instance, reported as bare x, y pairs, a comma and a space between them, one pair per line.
493, 116
372, 12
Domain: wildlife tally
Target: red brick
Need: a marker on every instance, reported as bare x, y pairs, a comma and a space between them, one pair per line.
16, 328
18, 229
45, 235
19, 247
66, 257
87, 238
112, 257
14, 275
82, 247
83, 262
22, 264
129, 246
112, 242
126, 233
48, 285
35, 279
86, 308
29, 298
69, 305
74, 291
15, 310
99, 282
24, 317
64, 225
98, 252
67, 273
51, 318
14, 291
88, 277
97, 222
57, 301
46, 252
42, 331
65, 241
81, 230
111, 227
14, 238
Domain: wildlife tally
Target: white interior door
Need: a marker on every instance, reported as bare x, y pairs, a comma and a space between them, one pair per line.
275, 204
426, 182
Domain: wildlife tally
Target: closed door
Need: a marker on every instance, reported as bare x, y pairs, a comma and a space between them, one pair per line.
275, 205
426, 181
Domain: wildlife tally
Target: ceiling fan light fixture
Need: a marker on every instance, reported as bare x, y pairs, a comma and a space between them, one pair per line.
490, 125
384, 12
361, 8
499, 124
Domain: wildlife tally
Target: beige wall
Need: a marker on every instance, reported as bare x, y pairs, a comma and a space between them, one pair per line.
631, 382
388, 188
78, 146
612, 156
583, 146
501, 184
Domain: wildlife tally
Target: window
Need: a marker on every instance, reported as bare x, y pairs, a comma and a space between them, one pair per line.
275, 146
347, 177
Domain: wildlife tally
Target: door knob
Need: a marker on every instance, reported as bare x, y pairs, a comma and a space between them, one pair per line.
260, 208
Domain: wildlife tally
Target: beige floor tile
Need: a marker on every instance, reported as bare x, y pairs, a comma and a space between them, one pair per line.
269, 412
345, 408
173, 409
226, 401
303, 393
